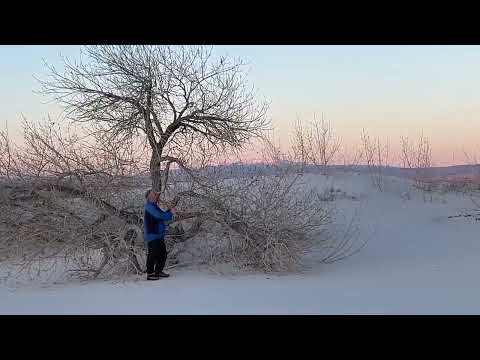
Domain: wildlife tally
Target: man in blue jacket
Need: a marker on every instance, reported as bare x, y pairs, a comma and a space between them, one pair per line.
154, 232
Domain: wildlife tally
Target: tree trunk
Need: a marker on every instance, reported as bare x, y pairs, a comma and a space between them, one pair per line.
156, 171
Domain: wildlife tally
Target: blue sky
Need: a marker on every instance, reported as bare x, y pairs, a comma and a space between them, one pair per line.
389, 90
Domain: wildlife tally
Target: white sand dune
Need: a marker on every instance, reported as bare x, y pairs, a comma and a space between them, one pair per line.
417, 261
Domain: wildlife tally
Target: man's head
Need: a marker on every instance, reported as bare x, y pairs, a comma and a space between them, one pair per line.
152, 196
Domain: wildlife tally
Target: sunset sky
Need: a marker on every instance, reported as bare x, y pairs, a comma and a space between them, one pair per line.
388, 90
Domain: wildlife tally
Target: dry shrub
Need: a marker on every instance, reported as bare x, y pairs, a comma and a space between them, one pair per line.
376, 156
82, 215
266, 218
418, 157
316, 144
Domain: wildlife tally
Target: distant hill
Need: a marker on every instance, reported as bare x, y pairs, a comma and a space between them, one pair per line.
240, 170
235, 170
446, 171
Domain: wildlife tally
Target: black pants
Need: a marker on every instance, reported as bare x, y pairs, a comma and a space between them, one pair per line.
156, 256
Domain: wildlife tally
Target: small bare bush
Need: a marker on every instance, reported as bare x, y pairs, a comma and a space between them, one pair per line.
474, 162
376, 157
418, 157
351, 159
317, 145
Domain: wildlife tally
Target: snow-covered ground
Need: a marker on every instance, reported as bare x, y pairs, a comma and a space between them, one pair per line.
417, 261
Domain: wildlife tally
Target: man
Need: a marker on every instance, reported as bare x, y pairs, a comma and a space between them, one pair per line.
154, 232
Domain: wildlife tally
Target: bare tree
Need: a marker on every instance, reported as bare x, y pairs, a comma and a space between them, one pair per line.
177, 100
171, 96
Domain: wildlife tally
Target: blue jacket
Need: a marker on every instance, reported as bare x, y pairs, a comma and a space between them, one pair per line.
154, 222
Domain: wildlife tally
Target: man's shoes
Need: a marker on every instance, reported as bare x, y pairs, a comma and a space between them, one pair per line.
162, 275
152, 277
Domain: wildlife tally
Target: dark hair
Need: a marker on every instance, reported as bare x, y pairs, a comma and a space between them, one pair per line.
147, 193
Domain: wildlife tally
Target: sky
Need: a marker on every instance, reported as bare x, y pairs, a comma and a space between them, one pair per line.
391, 91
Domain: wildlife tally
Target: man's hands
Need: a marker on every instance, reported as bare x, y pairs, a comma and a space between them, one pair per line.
169, 206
